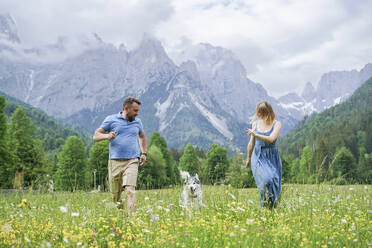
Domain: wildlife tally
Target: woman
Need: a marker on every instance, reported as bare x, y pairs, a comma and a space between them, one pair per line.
263, 155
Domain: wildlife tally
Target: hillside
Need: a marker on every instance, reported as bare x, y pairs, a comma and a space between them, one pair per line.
347, 126
51, 131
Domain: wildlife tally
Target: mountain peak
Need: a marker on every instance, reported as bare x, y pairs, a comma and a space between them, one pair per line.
151, 51
309, 92
148, 41
8, 29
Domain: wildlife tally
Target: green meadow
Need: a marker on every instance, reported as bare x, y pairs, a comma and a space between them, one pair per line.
307, 216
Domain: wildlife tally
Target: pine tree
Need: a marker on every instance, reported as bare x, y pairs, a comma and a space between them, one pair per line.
217, 163
189, 160
71, 171
306, 164
322, 160
6, 158
30, 158
172, 172
238, 174
153, 174
98, 157
295, 169
344, 165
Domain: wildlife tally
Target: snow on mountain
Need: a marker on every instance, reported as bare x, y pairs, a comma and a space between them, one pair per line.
8, 29
206, 99
333, 88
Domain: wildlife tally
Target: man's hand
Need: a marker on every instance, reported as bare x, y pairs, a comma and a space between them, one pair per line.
111, 135
142, 159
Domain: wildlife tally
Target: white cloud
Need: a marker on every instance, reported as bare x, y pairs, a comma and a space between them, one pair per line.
282, 43
43, 21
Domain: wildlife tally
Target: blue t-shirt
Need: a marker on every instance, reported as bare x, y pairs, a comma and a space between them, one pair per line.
125, 144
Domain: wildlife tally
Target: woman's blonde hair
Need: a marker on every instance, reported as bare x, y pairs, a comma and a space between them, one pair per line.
264, 111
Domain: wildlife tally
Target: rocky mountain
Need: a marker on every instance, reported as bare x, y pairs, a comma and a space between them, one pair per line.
205, 98
224, 77
91, 84
333, 88
8, 29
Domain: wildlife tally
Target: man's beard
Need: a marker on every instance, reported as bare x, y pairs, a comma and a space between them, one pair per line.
130, 118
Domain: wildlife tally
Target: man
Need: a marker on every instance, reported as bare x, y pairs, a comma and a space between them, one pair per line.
123, 131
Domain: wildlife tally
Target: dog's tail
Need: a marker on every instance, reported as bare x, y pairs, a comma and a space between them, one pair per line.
184, 174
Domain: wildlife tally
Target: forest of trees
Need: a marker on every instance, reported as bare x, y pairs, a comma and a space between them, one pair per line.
334, 146
35, 149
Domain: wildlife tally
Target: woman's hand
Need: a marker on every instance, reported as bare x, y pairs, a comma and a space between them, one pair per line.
248, 163
250, 132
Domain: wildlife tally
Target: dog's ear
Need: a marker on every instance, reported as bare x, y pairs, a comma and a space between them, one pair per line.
196, 175
185, 175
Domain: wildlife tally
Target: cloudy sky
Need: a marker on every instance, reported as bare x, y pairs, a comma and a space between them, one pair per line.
282, 43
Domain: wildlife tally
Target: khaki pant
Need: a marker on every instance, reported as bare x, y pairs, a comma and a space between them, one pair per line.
122, 172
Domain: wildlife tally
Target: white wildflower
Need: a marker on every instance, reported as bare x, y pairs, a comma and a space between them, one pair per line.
79, 244
241, 209
74, 214
146, 198
250, 221
155, 217
63, 209
27, 239
232, 196
343, 221
232, 234
7, 227
145, 230
243, 230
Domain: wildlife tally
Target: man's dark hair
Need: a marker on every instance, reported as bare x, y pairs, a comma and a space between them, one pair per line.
129, 101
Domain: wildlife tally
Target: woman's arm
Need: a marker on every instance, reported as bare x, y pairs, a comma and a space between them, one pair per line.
250, 147
269, 139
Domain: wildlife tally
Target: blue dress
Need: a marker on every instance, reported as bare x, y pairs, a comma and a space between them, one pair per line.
267, 169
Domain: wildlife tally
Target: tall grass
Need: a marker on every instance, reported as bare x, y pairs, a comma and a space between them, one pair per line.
307, 216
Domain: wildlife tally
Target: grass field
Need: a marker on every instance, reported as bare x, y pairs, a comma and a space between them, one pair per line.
307, 216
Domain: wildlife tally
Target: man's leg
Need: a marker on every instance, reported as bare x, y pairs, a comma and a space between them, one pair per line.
116, 192
115, 183
130, 192
129, 183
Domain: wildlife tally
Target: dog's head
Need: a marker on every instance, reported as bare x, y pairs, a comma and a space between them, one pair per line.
191, 183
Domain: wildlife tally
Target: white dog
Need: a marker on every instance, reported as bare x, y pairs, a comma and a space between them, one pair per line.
192, 195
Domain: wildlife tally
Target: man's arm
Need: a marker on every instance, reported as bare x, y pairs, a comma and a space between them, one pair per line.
100, 134
142, 143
